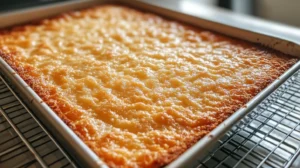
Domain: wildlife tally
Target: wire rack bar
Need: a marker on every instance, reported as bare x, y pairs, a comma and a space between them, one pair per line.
269, 136
25, 142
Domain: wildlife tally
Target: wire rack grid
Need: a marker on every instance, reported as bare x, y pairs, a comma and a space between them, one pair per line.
269, 136
23, 140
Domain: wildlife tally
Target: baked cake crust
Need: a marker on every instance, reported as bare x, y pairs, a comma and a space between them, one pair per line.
136, 88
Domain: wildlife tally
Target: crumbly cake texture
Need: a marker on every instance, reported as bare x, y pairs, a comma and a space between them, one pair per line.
136, 88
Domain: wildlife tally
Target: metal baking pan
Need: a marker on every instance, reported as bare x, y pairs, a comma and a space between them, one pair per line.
278, 37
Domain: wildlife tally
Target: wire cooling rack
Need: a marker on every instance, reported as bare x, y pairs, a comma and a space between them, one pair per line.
269, 136
23, 140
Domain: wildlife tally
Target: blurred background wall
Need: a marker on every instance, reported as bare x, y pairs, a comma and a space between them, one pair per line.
283, 11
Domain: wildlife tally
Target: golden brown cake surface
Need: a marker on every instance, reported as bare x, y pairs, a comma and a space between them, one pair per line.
136, 88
